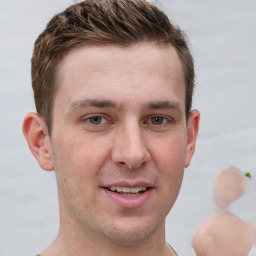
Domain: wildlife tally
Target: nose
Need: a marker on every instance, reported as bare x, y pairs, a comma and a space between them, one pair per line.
129, 147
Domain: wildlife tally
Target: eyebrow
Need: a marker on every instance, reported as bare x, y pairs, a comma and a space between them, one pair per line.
164, 105
84, 103
105, 103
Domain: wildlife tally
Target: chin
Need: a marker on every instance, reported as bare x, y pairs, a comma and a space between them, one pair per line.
128, 232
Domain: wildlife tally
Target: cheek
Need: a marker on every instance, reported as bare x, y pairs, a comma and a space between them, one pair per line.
169, 158
170, 153
170, 161
76, 166
81, 157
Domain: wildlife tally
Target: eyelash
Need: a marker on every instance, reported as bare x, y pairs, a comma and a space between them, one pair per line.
101, 117
149, 120
163, 120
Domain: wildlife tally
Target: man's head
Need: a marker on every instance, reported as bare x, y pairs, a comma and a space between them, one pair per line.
119, 80
106, 22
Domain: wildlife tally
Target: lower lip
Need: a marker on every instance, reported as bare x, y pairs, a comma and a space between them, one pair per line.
129, 201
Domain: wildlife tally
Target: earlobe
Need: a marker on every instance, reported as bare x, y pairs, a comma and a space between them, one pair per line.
192, 131
36, 134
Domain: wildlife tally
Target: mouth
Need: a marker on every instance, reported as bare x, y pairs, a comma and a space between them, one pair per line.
127, 196
128, 191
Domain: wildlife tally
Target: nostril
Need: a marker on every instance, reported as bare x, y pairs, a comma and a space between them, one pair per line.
129, 166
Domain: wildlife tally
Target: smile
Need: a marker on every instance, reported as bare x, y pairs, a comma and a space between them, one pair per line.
127, 191
128, 196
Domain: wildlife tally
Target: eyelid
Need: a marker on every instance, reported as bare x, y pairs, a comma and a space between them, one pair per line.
167, 119
86, 118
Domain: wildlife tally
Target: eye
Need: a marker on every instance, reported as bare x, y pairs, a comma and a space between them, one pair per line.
157, 120
96, 120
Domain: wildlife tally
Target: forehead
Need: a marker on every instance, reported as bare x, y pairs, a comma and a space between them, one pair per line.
140, 70
143, 56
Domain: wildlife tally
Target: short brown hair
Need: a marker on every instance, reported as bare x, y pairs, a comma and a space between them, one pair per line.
102, 22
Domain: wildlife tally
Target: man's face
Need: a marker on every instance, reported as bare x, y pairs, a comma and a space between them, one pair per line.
119, 139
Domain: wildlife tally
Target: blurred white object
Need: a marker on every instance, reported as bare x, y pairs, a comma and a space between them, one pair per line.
252, 251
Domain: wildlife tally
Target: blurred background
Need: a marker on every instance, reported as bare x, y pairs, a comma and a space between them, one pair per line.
222, 35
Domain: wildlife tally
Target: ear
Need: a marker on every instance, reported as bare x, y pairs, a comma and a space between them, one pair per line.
192, 131
39, 142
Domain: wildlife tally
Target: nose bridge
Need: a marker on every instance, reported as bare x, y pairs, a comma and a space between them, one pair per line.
129, 146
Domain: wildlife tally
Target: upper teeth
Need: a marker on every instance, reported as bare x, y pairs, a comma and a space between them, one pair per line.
128, 190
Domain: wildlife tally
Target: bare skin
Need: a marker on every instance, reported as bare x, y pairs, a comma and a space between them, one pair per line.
118, 123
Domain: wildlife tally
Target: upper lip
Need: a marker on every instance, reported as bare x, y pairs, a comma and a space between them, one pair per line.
129, 184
